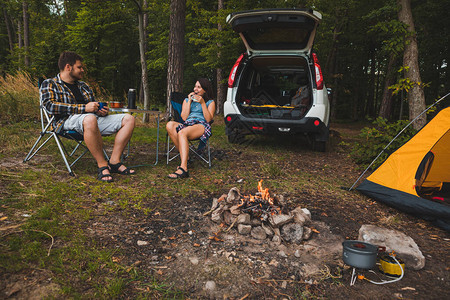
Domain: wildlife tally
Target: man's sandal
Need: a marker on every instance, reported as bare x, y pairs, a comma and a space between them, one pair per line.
183, 174
100, 174
115, 169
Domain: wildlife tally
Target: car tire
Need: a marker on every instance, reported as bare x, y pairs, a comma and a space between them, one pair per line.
319, 146
236, 138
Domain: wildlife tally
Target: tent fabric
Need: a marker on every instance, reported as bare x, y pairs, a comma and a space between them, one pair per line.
437, 213
421, 164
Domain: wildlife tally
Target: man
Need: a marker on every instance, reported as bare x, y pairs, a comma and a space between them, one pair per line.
72, 103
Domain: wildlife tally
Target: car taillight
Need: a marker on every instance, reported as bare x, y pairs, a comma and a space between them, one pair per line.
318, 71
232, 76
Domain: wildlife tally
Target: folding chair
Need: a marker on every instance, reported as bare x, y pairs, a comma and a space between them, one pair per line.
51, 131
202, 150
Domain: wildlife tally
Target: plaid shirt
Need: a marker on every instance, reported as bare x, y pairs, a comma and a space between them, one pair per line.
59, 100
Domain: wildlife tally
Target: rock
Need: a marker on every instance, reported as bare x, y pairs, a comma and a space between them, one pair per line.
210, 286
228, 218
194, 260
244, 229
292, 232
215, 203
307, 212
299, 218
233, 195
216, 215
307, 232
281, 253
267, 229
243, 219
255, 222
235, 210
280, 220
297, 253
142, 243
276, 239
302, 216
394, 240
258, 233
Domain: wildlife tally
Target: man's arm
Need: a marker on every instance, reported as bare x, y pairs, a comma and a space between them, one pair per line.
57, 101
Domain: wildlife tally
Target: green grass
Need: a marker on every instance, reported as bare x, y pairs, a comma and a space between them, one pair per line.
60, 205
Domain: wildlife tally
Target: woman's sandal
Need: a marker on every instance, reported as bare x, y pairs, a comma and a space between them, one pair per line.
100, 174
184, 174
115, 169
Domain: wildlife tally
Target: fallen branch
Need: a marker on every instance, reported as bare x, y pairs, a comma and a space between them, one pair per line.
231, 226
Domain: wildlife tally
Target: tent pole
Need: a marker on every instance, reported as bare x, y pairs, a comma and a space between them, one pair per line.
401, 131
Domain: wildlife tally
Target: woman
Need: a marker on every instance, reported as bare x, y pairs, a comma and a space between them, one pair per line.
197, 111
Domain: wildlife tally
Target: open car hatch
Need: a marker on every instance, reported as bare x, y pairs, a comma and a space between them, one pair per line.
268, 30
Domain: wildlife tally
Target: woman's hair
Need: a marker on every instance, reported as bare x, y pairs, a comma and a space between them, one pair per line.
207, 86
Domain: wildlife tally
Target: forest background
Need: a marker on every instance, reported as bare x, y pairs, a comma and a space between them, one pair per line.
360, 43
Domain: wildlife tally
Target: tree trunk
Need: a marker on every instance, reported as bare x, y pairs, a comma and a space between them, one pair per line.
416, 96
8, 29
19, 41
331, 69
370, 104
386, 101
175, 61
143, 60
26, 33
221, 86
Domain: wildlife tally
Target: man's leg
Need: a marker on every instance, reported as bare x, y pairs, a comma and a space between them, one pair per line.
94, 142
123, 136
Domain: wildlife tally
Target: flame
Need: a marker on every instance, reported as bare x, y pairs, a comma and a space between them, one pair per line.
264, 192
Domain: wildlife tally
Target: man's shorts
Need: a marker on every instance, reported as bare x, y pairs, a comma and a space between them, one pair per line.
107, 125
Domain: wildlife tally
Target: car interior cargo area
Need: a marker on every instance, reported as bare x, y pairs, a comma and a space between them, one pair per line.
276, 87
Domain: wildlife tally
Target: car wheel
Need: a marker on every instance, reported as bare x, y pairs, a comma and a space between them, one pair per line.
319, 146
236, 138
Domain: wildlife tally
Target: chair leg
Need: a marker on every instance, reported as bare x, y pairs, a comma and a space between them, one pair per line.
169, 149
63, 153
31, 153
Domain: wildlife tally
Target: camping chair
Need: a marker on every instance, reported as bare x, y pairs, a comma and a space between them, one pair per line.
202, 150
54, 133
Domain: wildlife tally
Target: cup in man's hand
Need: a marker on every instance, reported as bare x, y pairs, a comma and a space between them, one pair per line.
101, 105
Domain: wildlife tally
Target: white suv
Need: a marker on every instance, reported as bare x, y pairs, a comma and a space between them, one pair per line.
277, 87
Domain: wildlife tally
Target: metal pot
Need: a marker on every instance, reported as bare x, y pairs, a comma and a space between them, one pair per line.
359, 254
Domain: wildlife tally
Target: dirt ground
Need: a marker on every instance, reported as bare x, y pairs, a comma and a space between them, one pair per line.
175, 244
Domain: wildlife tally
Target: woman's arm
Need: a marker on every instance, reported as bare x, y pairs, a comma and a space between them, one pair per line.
186, 108
209, 111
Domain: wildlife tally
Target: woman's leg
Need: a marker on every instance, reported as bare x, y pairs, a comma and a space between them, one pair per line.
171, 129
184, 136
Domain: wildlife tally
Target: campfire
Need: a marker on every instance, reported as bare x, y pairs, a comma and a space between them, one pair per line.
261, 216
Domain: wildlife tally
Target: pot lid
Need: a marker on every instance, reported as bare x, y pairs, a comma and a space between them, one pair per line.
359, 247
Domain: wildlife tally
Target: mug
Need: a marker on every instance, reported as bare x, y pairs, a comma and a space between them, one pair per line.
101, 105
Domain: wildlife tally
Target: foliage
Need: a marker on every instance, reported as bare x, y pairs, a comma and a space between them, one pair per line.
19, 98
364, 34
405, 84
375, 139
